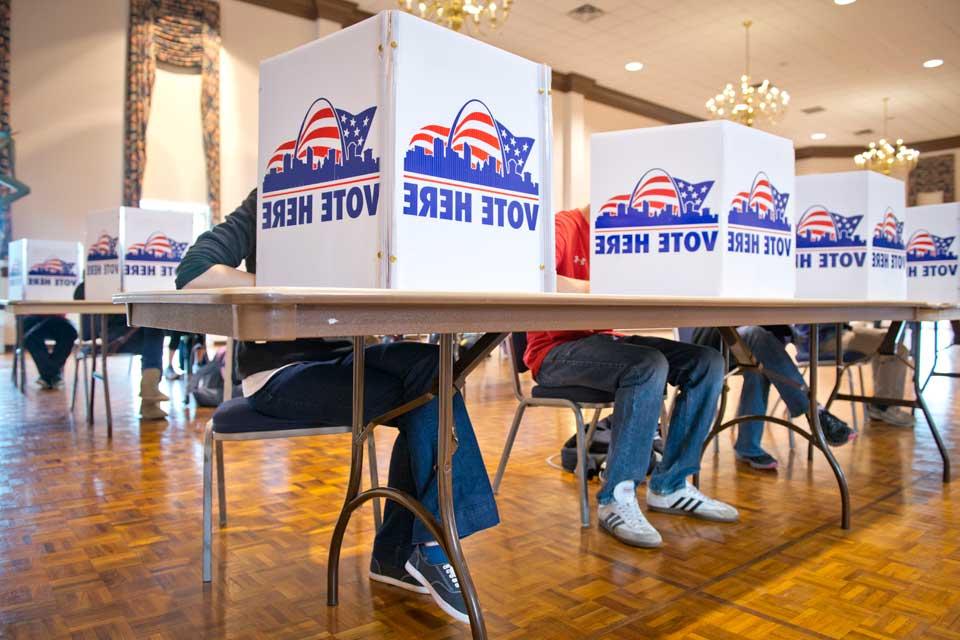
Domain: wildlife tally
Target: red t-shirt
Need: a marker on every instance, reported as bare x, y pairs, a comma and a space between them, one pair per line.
573, 261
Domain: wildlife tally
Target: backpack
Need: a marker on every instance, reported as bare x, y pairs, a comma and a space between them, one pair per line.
597, 453
206, 384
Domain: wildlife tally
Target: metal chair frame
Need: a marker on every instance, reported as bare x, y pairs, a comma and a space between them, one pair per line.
213, 445
584, 433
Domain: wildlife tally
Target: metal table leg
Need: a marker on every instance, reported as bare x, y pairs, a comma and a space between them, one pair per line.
814, 419
444, 532
922, 403
106, 380
734, 344
19, 359
94, 330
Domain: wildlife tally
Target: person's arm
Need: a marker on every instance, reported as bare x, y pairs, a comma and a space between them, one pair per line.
212, 261
572, 285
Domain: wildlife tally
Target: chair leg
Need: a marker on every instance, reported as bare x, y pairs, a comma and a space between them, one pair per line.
221, 486
592, 428
76, 381
508, 445
208, 502
863, 391
374, 479
853, 405
582, 469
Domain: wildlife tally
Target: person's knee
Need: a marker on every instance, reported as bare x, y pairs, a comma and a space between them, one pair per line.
652, 370
710, 365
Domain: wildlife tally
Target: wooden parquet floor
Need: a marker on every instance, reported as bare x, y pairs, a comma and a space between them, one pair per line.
101, 539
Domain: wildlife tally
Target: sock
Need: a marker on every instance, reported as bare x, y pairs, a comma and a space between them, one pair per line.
625, 492
433, 552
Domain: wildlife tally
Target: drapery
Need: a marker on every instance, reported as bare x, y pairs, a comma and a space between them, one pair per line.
6, 160
184, 33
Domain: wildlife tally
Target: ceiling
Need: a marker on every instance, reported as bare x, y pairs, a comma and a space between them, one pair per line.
843, 58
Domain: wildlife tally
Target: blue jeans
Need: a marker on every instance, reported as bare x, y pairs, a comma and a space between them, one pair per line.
149, 344
321, 392
37, 330
636, 370
770, 352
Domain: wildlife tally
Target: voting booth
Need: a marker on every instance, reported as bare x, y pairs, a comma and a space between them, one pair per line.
931, 233
850, 236
702, 209
399, 154
44, 269
130, 249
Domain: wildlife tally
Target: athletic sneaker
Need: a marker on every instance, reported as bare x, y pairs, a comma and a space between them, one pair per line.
395, 576
763, 462
835, 430
891, 415
626, 523
170, 373
428, 564
688, 501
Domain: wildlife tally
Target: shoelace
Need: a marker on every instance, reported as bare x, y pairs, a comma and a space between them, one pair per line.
451, 574
632, 515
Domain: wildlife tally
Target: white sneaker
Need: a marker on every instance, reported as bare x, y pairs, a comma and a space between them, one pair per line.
891, 415
626, 523
688, 501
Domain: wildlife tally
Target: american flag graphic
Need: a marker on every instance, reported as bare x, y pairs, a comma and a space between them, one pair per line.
657, 189
52, 266
425, 137
325, 128
943, 246
761, 195
846, 225
816, 223
104, 248
516, 149
475, 126
921, 244
890, 228
610, 206
763, 200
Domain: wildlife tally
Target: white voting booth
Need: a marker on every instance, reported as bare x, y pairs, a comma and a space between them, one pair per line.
850, 236
44, 269
931, 233
702, 209
130, 249
396, 153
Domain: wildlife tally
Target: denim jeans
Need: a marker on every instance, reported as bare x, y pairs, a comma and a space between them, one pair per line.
770, 352
148, 343
321, 392
43, 328
636, 370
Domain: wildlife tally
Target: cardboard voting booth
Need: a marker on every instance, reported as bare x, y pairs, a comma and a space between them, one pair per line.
931, 233
400, 154
850, 236
703, 209
130, 249
44, 269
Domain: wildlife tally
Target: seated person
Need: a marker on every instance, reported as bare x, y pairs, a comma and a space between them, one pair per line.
312, 380
863, 343
37, 330
636, 370
769, 351
146, 342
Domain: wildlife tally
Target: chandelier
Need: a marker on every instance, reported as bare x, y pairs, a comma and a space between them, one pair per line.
454, 14
749, 102
884, 157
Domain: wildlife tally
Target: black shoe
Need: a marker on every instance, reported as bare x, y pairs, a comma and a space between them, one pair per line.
428, 564
835, 430
763, 462
396, 576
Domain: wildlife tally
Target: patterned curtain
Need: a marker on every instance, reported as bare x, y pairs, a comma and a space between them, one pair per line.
184, 33
6, 161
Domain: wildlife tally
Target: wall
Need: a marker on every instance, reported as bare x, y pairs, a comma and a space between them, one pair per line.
176, 169
249, 33
66, 88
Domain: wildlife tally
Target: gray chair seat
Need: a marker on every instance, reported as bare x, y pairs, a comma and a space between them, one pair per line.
580, 395
238, 416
